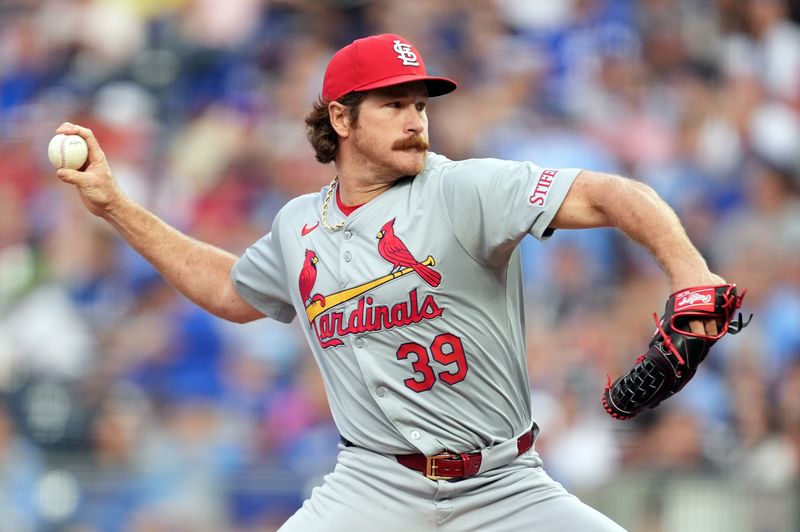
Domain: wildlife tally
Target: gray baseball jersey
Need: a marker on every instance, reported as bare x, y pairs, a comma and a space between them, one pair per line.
414, 308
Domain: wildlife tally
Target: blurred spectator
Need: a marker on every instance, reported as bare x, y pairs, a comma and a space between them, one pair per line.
764, 453
20, 467
155, 416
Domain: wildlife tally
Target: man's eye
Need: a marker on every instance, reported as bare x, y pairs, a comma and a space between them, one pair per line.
421, 106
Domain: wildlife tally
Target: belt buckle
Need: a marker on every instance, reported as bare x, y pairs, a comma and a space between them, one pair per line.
430, 466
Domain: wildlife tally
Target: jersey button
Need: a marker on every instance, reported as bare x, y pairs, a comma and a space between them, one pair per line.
347, 256
359, 342
415, 435
347, 235
380, 391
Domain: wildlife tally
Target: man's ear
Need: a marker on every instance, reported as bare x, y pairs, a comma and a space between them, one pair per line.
340, 119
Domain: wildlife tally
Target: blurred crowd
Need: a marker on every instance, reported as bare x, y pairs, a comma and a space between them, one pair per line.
124, 407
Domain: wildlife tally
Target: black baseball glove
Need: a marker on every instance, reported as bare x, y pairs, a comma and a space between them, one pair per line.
675, 351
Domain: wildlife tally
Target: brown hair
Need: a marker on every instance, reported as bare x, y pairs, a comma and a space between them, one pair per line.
320, 132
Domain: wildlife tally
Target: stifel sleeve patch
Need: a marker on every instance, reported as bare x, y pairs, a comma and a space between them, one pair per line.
542, 187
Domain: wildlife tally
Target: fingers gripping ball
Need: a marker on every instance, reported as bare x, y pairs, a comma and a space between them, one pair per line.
674, 352
67, 151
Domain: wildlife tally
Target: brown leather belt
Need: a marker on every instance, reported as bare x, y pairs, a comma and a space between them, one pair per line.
447, 465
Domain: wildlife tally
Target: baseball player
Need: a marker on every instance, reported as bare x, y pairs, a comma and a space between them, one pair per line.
405, 274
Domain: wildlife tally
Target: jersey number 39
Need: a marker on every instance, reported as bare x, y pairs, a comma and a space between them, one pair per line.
446, 349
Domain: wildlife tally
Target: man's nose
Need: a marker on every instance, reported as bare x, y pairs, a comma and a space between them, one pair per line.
414, 122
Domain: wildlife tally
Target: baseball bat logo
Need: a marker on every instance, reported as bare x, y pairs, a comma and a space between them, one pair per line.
395, 251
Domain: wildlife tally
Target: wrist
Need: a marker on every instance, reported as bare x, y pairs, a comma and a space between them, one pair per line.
698, 275
113, 208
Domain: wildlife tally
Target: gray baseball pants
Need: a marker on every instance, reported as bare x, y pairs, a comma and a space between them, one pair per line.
370, 491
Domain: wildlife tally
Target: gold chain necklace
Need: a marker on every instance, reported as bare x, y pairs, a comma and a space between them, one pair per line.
334, 183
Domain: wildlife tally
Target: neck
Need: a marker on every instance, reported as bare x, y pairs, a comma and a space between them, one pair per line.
357, 186
362, 178
359, 195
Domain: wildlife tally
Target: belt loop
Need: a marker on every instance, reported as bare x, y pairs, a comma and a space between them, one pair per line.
524, 442
505, 452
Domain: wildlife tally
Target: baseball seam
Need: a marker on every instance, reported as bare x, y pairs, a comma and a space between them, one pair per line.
63, 150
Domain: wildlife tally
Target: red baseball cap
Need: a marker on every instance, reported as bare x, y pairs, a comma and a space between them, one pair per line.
375, 62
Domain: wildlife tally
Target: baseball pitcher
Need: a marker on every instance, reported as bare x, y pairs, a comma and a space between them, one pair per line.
405, 274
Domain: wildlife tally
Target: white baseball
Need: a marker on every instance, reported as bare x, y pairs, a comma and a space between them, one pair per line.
67, 151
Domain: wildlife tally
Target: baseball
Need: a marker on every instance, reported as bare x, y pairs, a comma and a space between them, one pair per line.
67, 151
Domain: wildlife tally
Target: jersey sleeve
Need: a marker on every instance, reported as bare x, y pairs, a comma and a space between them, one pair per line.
259, 276
492, 204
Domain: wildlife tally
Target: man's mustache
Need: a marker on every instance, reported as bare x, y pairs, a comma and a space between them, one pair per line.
416, 142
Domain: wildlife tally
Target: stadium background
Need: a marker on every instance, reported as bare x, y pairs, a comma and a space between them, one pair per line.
123, 407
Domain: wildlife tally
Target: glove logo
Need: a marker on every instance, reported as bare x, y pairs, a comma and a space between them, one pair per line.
697, 299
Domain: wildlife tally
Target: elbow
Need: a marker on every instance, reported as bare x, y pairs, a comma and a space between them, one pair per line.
243, 318
238, 314
610, 200
234, 309
615, 191
232, 317
594, 199
617, 186
626, 187
231, 306
643, 188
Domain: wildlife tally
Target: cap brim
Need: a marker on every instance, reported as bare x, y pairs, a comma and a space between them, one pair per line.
436, 86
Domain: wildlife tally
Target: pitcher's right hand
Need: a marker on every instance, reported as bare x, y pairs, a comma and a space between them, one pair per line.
97, 188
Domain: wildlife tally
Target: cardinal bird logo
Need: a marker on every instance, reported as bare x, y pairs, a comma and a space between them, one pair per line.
395, 251
331, 324
308, 276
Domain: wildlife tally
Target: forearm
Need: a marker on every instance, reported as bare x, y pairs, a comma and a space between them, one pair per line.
198, 270
643, 216
597, 200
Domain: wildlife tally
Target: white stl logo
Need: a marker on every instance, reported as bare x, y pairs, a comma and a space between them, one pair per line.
405, 53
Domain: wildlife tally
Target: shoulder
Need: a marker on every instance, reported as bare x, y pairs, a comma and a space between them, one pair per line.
436, 162
301, 209
306, 201
486, 166
482, 173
